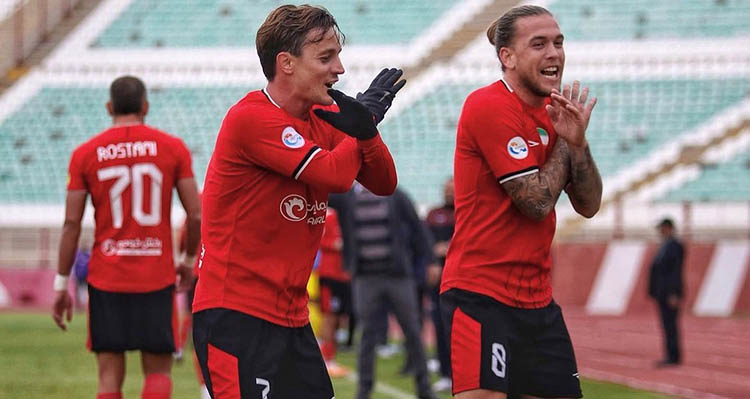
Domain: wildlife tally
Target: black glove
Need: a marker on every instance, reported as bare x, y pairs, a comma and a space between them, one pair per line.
379, 96
353, 117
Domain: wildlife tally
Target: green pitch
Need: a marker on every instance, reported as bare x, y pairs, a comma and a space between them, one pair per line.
37, 360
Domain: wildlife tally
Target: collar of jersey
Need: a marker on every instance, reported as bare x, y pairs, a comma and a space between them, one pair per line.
265, 91
507, 85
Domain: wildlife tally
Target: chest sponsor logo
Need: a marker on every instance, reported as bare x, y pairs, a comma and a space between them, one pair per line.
517, 148
149, 246
291, 138
295, 208
543, 135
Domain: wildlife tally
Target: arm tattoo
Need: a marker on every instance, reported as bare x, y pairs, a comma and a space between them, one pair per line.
535, 195
585, 188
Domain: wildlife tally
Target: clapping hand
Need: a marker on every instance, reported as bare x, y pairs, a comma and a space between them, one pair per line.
570, 113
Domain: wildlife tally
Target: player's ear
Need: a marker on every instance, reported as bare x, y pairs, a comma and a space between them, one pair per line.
110, 110
285, 63
144, 108
507, 57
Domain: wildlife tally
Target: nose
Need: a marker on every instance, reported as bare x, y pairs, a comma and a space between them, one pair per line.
338, 66
554, 52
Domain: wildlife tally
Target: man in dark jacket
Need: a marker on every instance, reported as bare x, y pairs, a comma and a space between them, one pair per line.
665, 286
382, 238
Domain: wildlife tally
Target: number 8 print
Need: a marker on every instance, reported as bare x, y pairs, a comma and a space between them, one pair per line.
123, 175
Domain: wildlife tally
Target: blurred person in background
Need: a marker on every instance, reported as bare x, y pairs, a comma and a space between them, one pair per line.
520, 142
335, 292
280, 151
382, 237
441, 222
130, 171
81, 273
665, 287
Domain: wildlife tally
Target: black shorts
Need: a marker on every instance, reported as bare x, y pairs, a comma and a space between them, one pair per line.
335, 296
121, 322
501, 348
242, 356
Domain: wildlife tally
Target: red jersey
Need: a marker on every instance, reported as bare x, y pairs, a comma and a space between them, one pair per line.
496, 250
330, 249
264, 205
130, 172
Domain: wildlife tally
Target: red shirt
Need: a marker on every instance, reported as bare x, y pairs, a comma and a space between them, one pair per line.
130, 172
330, 249
264, 205
496, 250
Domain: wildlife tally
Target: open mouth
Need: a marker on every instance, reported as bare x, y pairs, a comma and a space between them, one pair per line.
330, 84
552, 71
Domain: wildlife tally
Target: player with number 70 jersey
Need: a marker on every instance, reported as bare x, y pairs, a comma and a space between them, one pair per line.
130, 172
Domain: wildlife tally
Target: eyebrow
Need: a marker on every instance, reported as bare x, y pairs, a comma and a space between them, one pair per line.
542, 37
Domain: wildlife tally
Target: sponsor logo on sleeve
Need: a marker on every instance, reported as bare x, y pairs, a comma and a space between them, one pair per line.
543, 135
517, 148
291, 138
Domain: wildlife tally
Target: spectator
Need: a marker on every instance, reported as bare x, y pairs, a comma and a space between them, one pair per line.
382, 237
335, 292
81, 273
665, 287
441, 222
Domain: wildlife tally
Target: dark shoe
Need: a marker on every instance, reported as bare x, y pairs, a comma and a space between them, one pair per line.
427, 395
406, 369
667, 363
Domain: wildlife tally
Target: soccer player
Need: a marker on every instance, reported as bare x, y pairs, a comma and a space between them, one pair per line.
279, 153
520, 142
130, 171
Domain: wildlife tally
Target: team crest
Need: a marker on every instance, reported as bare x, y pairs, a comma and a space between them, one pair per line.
517, 148
543, 135
291, 138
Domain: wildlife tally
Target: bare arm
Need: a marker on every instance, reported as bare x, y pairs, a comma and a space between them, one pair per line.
570, 113
75, 203
585, 188
187, 190
536, 194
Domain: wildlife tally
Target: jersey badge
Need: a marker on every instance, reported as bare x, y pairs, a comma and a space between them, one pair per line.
291, 138
517, 148
543, 135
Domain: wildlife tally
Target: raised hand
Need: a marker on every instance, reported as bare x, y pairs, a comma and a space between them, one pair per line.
379, 96
570, 113
353, 118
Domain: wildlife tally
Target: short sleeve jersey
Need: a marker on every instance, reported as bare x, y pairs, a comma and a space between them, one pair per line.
261, 226
496, 250
130, 172
330, 249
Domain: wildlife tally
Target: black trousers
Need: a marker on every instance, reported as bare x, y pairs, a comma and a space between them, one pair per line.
671, 334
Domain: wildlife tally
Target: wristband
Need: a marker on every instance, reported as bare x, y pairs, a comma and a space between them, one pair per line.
60, 283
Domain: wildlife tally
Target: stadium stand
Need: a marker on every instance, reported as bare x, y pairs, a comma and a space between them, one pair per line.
650, 19
146, 23
722, 175
659, 94
56, 120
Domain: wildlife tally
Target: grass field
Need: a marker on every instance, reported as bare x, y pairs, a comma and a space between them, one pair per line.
37, 360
